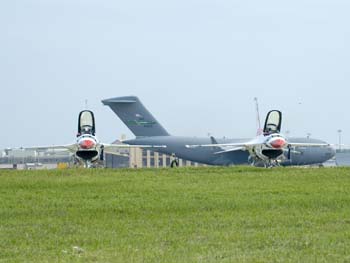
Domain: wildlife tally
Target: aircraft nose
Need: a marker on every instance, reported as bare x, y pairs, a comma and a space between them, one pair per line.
86, 144
332, 151
278, 143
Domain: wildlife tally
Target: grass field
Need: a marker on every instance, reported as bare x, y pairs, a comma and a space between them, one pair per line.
214, 214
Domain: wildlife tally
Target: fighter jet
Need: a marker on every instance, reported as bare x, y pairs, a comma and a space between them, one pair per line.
219, 151
88, 150
268, 148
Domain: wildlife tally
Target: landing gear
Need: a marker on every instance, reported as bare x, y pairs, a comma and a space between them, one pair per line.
272, 163
257, 162
87, 164
100, 163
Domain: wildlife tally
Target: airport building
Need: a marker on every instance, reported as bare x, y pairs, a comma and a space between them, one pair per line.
141, 158
25, 159
122, 158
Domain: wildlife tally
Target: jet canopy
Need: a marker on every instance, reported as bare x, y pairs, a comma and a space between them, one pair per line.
273, 122
86, 123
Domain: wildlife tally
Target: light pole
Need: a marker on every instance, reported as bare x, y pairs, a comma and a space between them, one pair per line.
308, 135
339, 137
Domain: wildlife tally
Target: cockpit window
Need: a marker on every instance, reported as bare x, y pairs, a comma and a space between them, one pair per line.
86, 123
86, 119
273, 122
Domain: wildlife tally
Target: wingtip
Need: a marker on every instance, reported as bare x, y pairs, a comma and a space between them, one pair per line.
124, 99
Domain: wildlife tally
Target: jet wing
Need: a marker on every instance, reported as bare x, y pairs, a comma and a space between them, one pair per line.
303, 144
228, 147
67, 147
234, 145
231, 150
252, 144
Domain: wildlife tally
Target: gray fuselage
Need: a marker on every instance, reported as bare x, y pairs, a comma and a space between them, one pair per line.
177, 145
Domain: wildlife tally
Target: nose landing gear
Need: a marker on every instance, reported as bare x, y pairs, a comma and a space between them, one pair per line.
257, 162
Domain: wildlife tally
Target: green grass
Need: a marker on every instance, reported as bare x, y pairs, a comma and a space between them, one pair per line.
214, 214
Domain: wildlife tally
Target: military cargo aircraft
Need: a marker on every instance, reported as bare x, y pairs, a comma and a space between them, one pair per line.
149, 131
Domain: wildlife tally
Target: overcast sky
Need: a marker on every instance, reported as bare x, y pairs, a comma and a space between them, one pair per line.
196, 64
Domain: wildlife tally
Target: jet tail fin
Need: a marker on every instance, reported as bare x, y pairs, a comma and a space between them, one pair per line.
259, 131
135, 116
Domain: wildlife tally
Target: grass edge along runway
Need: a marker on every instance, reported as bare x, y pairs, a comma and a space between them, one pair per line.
211, 214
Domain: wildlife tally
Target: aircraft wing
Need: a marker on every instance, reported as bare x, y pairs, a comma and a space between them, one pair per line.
252, 144
303, 144
228, 147
233, 145
67, 147
231, 150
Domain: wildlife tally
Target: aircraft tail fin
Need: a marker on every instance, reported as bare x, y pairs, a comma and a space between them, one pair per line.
135, 116
259, 131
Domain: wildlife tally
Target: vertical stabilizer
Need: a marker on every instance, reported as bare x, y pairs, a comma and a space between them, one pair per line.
259, 131
135, 116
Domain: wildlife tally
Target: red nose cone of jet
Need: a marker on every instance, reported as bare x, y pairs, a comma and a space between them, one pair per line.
278, 143
87, 144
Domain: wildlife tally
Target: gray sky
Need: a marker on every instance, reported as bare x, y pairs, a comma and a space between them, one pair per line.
196, 64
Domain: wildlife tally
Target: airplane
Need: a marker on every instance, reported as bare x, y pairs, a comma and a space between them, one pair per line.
87, 149
268, 148
149, 131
